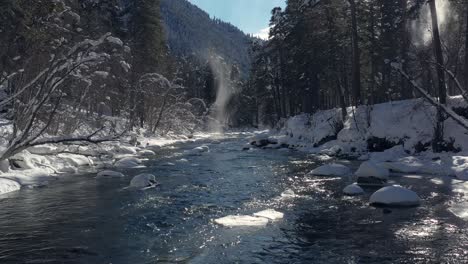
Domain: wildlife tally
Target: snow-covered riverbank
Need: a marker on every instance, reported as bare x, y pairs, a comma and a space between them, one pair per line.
38, 166
395, 135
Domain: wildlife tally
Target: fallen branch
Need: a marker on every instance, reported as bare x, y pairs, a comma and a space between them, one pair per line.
460, 120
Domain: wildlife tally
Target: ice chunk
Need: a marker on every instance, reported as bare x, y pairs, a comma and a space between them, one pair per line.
143, 181
241, 220
395, 196
270, 214
125, 150
7, 186
110, 174
353, 189
44, 150
370, 169
460, 210
332, 170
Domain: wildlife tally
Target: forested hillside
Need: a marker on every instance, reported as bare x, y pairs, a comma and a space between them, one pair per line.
191, 30
332, 53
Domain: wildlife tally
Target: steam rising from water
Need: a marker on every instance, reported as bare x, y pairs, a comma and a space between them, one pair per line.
421, 29
221, 74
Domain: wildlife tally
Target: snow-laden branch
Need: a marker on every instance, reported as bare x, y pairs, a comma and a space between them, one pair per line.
460, 120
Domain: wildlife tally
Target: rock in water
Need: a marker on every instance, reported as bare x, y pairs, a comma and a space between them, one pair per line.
270, 214
129, 162
331, 170
241, 220
143, 181
7, 186
395, 196
110, 174
353, 189
370, 174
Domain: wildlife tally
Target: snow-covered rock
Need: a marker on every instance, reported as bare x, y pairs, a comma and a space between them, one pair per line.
270, 214
146, 153
110, 174
388, 155
198, 150
395, 196
353, 189
25, 160
120, 149
153, 148
7, 186
143, 181
288, 194
332, 170
370, 169
241, 220
76, 160
128, 162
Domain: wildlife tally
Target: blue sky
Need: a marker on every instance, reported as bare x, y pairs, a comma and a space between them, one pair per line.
251, 16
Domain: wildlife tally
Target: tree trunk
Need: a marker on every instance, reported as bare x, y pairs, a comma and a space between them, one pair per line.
356, 56
442, 90
466, 50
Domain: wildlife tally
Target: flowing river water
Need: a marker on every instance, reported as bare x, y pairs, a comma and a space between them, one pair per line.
81, 219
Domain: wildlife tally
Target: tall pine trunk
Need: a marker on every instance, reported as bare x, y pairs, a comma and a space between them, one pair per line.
356, 56
441, 88
466, 49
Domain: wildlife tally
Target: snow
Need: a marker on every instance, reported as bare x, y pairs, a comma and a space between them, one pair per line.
270, 214
370, 169
395, 196
353, 189
460, 210
7, 186
241, 221
146, 153
120, 149
128, 162
143, 181
332, 170
110, 174
4, 166
76, 160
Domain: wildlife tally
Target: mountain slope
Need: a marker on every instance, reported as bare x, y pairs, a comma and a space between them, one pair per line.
190, 30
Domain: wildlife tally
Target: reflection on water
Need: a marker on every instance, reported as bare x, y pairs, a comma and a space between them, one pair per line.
84, 220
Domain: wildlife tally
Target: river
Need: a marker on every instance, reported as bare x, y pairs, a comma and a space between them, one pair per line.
81, 219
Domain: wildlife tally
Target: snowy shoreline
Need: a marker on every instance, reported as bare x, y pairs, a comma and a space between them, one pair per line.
37, 166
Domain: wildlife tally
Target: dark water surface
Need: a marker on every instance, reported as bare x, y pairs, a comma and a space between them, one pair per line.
80, 219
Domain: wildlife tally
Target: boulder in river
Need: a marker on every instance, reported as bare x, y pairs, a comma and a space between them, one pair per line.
128, 162
395, 196
110, 174
353, 190
371, 174
142, 181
